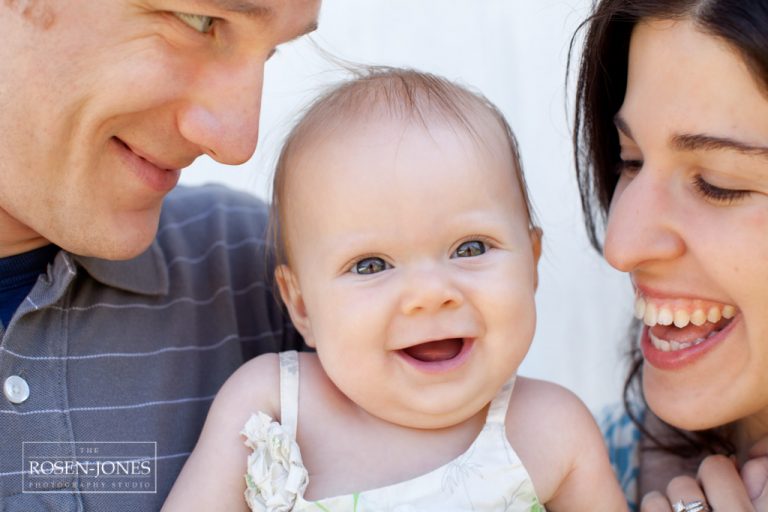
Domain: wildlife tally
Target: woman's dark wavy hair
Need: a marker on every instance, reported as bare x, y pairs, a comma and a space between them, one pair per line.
600, 88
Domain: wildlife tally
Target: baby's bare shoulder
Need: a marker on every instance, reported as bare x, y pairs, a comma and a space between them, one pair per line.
545, 400
551, 429
253, 387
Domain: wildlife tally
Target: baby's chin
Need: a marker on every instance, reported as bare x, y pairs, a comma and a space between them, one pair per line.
434, 422
449, 414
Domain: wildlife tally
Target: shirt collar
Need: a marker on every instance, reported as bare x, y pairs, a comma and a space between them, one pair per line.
146, 274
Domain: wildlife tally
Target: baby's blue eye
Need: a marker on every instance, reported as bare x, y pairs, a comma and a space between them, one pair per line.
469, 249
202, 24
370, 266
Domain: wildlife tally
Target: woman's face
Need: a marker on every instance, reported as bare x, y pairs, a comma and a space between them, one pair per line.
689, 222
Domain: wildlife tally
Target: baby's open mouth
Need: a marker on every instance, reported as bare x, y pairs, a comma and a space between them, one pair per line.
437, 350
681, 323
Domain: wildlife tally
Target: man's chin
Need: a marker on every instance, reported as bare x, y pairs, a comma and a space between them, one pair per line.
123, 253
115, 244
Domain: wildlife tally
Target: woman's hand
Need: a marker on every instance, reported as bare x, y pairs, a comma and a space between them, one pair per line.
719, 483
755, 475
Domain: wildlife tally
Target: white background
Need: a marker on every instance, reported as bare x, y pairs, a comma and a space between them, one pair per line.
514, 52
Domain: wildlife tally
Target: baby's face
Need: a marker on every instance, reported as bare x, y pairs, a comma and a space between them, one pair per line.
413, 268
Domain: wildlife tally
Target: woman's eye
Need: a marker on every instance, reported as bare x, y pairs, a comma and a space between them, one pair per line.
721, 195
469, 249
370, 266
630, 167
202, 24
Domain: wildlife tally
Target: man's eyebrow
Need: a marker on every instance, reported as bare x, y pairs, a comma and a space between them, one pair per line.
249, 8
252, 9
697, 142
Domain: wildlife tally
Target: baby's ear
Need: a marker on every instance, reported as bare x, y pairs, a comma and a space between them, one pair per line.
294, 301
536, 236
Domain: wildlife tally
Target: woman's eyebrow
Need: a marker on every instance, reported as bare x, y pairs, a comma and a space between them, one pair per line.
701, 142
622, 126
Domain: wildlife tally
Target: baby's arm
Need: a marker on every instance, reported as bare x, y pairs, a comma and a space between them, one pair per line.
212, 478
561, 447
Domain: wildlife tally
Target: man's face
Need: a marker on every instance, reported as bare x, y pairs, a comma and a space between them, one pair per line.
103, 102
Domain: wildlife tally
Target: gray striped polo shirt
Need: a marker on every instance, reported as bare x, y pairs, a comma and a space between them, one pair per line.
123, 358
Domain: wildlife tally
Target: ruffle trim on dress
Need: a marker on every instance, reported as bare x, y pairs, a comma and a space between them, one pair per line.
276, 475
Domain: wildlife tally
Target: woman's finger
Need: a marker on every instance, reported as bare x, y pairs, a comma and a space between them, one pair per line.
655, 502
684, 489
722, 485
754, 473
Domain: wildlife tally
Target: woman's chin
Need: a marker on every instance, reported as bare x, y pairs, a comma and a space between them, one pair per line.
684, 411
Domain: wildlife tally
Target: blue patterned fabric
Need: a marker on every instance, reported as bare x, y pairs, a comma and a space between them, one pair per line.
623, 440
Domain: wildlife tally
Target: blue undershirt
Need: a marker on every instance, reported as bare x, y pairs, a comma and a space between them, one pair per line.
18, 274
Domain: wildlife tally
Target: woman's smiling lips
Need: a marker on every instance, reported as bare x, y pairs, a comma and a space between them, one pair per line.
662, 354
680, 329
151, 172
438, 356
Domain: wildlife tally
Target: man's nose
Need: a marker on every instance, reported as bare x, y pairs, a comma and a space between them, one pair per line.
222, 114
643, 223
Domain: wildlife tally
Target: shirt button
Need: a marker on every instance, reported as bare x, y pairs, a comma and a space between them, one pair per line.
16, 389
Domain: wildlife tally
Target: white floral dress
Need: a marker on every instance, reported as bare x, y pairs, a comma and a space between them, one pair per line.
487, 477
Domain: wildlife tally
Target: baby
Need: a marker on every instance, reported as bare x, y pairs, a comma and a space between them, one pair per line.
407, 258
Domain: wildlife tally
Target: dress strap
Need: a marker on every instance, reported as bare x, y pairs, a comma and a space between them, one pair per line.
289, 391
497, 412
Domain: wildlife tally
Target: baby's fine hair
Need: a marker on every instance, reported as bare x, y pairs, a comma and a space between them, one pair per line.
397, 93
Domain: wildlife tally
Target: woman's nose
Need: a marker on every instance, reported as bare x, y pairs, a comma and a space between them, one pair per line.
642, 223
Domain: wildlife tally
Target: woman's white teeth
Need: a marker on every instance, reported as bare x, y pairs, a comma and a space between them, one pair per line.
639, 308
672, 346
682, 318
651, 314
697, 318
665, 317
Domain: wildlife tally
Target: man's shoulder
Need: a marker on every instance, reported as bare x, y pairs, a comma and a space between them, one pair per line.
216, 228
214, 202
210, 213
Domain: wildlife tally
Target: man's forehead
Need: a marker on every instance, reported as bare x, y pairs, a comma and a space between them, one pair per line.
37, 12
